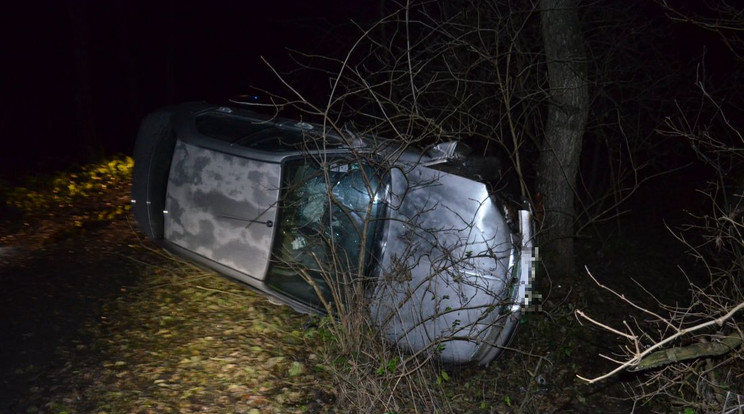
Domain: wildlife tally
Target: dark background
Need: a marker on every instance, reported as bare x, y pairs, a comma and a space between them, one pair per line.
78, 76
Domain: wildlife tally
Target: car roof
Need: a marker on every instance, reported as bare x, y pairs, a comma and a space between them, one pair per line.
248, 133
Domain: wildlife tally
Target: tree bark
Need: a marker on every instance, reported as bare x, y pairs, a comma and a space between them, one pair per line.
566, 120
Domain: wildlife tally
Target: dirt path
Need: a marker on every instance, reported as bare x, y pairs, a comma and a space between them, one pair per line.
56, 277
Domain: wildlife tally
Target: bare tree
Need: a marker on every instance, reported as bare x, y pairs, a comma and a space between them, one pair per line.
567, 115
691, 355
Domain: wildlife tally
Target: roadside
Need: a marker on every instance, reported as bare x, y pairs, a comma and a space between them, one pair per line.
60, 264
95, 319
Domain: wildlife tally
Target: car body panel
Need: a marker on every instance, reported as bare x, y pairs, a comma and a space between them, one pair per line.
445, 264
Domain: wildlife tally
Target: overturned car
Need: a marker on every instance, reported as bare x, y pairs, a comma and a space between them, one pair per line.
300, 212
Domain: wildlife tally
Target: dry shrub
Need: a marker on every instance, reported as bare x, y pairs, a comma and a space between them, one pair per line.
426, 73
369, 372
691, 356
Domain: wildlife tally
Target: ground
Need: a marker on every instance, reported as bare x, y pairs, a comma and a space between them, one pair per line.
96, 319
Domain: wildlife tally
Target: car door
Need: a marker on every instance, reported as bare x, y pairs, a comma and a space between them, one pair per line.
222, 207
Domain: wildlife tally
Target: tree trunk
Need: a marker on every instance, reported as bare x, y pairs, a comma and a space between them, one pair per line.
569, 104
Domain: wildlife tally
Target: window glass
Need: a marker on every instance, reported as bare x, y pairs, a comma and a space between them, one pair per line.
250, 133
326, 228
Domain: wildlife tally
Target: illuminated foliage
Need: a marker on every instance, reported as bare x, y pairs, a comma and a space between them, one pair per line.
67, 189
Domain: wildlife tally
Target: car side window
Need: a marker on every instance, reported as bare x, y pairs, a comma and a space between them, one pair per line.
249, 133
326, 227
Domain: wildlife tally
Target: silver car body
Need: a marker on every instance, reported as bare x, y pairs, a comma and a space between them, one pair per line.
448, 271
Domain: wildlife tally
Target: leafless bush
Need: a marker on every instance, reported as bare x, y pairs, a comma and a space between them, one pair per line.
692, 355
427, 73
473, 71
368, 372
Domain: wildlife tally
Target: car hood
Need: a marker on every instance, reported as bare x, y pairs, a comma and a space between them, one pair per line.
444, 264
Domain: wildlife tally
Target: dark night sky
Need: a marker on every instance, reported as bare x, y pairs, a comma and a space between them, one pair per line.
141, 55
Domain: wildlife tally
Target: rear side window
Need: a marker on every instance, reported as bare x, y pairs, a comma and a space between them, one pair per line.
260, 135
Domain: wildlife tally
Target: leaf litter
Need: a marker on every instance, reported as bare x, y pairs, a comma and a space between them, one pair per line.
187, 340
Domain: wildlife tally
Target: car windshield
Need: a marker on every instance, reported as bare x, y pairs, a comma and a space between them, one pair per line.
327, 226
